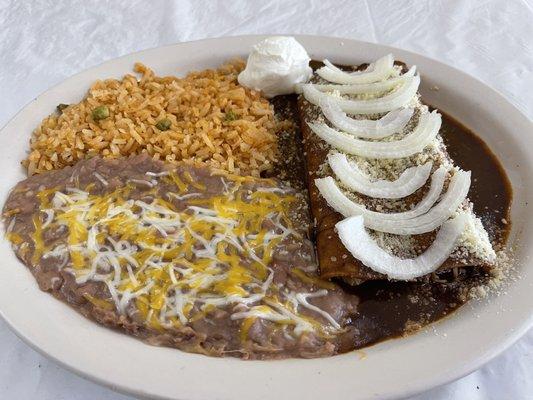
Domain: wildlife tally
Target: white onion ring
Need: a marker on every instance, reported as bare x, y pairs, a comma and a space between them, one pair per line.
391, 123
351, 176
424, 133
358, 242
369, 68
367, 88
337, 200
421, 219
396, 99
448, 204
379, 70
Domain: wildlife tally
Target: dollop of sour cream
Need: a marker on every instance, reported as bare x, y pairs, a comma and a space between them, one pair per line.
275, 66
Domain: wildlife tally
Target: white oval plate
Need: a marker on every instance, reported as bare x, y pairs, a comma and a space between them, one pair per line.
396, 368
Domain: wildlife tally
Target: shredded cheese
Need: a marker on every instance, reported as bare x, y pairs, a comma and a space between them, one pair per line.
175, 264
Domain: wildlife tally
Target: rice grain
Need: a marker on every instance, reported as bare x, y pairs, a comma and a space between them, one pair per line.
196, 107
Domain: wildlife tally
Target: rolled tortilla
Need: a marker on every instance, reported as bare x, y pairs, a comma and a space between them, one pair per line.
337, 262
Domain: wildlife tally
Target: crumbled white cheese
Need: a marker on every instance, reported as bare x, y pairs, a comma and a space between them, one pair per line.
474, 241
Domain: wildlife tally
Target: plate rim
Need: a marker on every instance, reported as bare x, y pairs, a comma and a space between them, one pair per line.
474, 364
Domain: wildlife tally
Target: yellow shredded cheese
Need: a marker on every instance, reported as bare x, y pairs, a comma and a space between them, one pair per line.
174, 266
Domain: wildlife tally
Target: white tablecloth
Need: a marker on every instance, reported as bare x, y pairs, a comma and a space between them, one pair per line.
44, 42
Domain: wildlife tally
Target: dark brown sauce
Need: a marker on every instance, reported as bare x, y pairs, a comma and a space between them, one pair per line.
491, 190
392, 309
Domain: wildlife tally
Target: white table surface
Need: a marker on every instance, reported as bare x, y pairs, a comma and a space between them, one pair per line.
44, 42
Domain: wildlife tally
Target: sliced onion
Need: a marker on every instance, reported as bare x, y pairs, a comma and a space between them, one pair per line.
369, 68
421, 219
391, 123
396, 99
336, 199
342, 204
381, 69
359, 243
448, 204
424, 133
354, 179
368, 88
